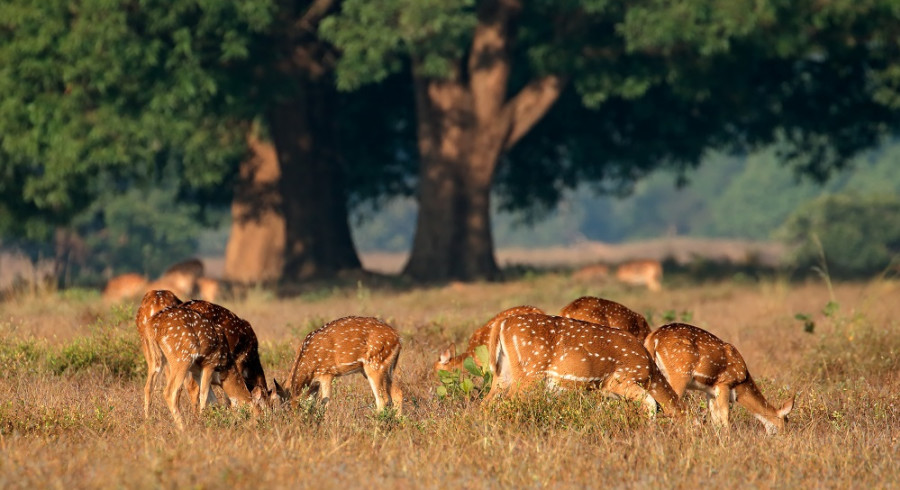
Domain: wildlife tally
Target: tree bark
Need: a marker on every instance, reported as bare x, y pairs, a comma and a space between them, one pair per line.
314, 201
255, 249
464, 125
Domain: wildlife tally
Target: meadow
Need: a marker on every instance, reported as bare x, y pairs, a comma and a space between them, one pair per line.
71, 378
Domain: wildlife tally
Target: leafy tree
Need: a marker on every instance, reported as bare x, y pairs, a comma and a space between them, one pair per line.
855, 235
539, 96
99, 95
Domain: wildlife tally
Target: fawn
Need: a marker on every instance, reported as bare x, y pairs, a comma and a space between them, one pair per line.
189, 343
605, 312
577, 354
345, 346
449, 361
692, 358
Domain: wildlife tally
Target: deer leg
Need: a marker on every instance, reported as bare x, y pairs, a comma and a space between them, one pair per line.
155, 364
719, 405
206, 375
173, 389
377, 383
193, 391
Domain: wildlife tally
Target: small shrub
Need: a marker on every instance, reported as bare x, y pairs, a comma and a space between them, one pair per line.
457, 384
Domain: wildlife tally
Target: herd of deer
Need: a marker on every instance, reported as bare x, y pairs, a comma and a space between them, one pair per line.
594, 344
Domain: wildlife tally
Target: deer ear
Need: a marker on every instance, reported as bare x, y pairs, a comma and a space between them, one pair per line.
279, 390
787, 407
256, 394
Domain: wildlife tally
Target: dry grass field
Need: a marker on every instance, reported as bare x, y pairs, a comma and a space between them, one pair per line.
71, 379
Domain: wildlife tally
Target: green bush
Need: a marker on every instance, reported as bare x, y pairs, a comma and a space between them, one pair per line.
858, 235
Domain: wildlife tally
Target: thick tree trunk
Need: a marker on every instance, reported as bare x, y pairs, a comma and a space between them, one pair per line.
255, 249
465, 123
318, 240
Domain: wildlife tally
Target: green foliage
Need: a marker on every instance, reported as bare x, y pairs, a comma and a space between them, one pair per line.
860, 235
111, 347
462, 384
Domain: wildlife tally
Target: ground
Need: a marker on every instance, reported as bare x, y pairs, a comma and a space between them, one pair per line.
71, 380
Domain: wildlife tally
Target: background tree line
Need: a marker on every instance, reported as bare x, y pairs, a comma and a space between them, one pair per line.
298, 111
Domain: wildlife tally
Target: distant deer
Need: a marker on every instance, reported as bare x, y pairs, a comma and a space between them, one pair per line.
241, 341
641, 273
208, 289
609, 313
591, 272
692, 358
449, 361
345, 346
153, 302
191, 345
125, 286
574, 354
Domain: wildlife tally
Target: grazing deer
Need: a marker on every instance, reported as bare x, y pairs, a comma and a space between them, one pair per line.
345, 346
572, 353
153, 302
591, 272
190, 344
449, 361
241, 342
605, 312
125, 286
208, 288
692, 358
641, 273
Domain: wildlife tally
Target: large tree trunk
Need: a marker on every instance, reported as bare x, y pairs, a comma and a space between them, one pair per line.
464, 125
313, 196
255, 249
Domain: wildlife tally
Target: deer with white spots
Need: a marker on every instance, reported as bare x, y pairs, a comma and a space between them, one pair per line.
345, 346
191, 344
609, 313
152, 303
241, 340
449, 361
571, 353
692, 358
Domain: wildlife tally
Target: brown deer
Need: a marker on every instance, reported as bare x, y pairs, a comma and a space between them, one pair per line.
692, 358
575, 354
605, 312
241, 341
345, 346
125, 286
641, 273
153, 302
449, 361
190, 344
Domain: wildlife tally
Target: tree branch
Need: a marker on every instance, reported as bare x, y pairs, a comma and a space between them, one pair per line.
489, 63
310, 19
530, 105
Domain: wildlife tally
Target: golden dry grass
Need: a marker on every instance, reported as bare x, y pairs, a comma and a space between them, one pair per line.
71, 411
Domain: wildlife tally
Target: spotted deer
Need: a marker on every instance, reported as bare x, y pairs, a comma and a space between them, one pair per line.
153, 302
241, 342
190, 344
571, 353
448, 360
345, 346
609, 313
692, 358
641, 273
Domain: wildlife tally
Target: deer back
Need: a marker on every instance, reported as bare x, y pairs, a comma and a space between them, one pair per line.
682, 349
342, 347
609, 313
641, 273
154, 301
240, 337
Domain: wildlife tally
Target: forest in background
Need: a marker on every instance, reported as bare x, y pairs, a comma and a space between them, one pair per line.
726, 197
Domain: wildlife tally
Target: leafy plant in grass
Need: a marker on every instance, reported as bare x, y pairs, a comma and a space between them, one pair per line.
109, 347
462, 384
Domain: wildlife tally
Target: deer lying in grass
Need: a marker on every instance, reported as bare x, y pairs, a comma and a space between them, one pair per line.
449, 361
241, 342
188, 343
609, 313
692, 358
345, 346
574, 354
